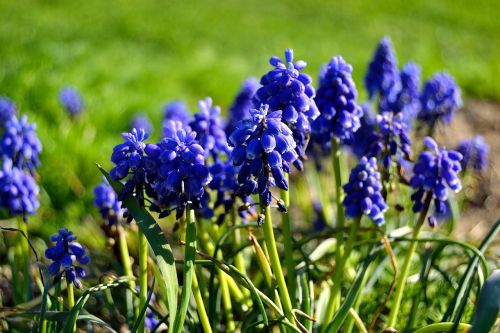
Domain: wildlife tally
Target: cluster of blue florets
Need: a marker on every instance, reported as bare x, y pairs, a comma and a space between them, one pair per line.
408, 100
141, 120
71, 101
336, 100
242, 104
435, 171
106, 200
475, 153
175, 111
65, 256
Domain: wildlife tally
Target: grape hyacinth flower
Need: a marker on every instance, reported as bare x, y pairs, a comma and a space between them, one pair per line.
240, 109
175, 111
366, 135
65, 254
475, 153
363, 192
182, 173
106, 201
440, 99
141, 120
408, 100
382, 77
71, 101
7, 110
264, 147
20, 143
285, 88
435, 171
18, 190
209, 130
336, 100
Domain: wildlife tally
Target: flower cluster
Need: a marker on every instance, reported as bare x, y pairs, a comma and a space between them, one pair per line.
71, 101
363, 192
175, 111
366, 135
475, 153
336, 101
264, 147
440, 99
285, 88
408, 99
209, 130
7, 109
65, 254
382, 77
106, 201
242, 104
141, 120
435, 171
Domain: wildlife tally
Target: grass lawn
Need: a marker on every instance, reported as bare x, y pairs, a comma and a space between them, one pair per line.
126, 56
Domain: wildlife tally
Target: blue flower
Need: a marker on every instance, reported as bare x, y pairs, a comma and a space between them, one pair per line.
408, 100
336, 101
20, 143
363, 192
7, 110
382, 77
141, 120
18, 190
71, 100
440, 99
240, 109
106, 201
367, 134
209, 130
475, 153
176, 111
264, 148
65, 255
435, 171
285, 88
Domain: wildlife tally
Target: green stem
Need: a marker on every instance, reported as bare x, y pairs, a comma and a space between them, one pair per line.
202, 313
239, 260
276, 264
339, 269
71, 298
405, 270
143, 274
127, 268
442, 327
357, 321
27, 293
288, 246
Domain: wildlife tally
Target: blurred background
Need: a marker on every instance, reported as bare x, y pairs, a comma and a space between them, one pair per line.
126, 57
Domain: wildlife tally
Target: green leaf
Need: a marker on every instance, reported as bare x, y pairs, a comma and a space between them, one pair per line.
45, 296
158, 242
488, 305
142, 313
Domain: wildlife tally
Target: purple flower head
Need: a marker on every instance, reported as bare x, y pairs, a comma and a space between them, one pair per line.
286, 88
176, 111
435, 171
366, 135
141, 120
18, 190
363, 192
7, 110
440, 99
475, 153
20, 143
336, 100
209, 130
240, 109
181, 170
382, 77
65, 256
264, 148
408, 100
71, 101
106, 200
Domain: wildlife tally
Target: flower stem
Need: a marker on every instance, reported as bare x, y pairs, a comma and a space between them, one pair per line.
276, 264
239, 260
127, 268
202, 313
143, 274
442, 327
287, 243
71, 298
405, 270
24, 259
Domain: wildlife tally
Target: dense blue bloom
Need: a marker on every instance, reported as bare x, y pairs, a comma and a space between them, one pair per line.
20, 143
435, 171
7, 110
367, 134
440, 99
382, 77
475, 153
141, 120
209, 130
106, 201
65, 254
264, 147
408, 99
240, 109
18, 190
285, 88
71, 100
181, 170
176, 111
336, 101
363, 192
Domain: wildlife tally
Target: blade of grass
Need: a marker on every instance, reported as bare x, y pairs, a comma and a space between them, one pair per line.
142, 313
488, 305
